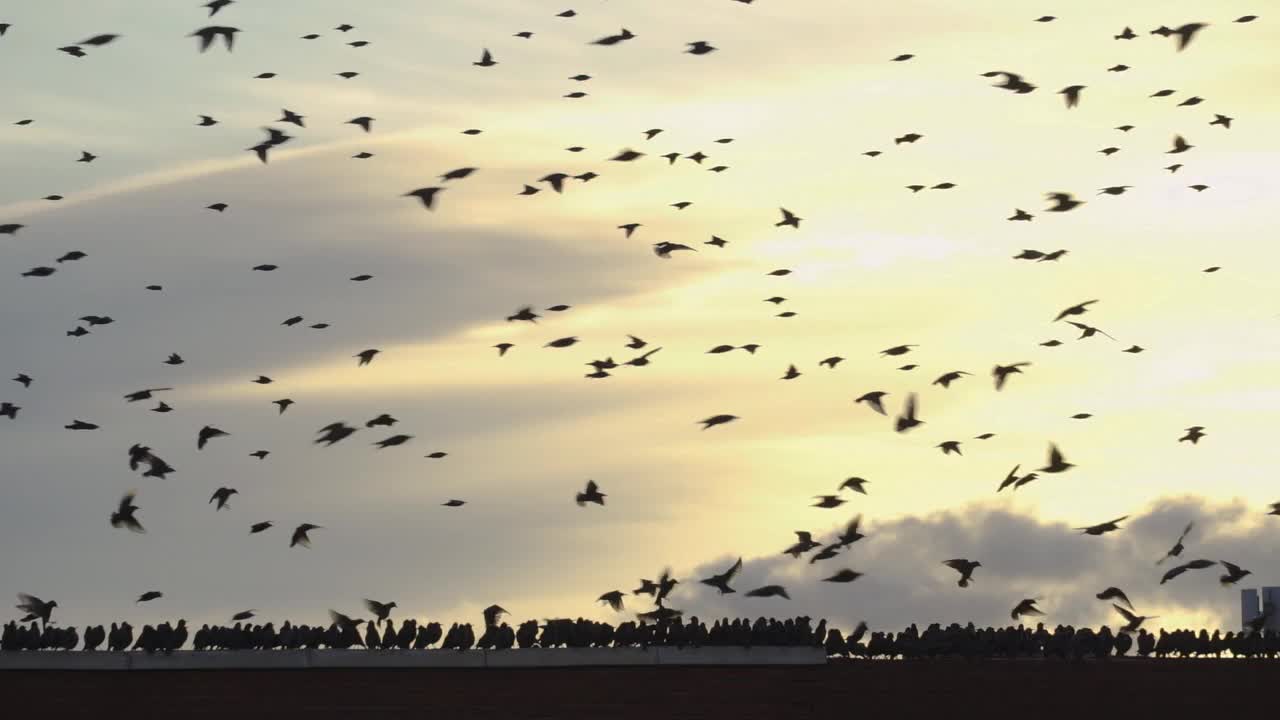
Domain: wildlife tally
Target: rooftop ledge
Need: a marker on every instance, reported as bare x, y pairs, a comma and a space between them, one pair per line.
355, 659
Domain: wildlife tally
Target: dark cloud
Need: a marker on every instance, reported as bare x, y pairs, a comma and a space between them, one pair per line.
1021, 557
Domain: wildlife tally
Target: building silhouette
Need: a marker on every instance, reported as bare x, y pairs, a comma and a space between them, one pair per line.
1255, 602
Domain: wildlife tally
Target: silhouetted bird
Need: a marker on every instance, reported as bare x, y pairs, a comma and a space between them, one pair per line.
300, 536
1114, 593
1176, 550
1103, 528
208, 35
124, 514
721, 582
768, 591
591, 494
964, 567
222, 495
1025, 607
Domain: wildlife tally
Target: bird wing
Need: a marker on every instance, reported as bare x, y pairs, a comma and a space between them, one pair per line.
1185, 532
1125, 613
728, 575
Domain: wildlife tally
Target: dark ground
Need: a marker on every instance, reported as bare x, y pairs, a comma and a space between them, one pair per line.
945, 689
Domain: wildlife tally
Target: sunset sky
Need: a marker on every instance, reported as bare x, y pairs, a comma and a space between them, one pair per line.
803, 88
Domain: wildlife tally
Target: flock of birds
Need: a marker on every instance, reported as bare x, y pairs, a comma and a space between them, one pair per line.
141, 457
969, 641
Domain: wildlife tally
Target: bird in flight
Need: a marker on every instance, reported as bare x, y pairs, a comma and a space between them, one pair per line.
209, 35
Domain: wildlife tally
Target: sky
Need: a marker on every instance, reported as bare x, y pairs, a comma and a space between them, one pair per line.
803, 89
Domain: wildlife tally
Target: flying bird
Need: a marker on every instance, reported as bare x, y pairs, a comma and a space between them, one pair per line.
123, 516
208, 35
1057, 463
1001, 373
591, 494
908, 419
1114, 593
1025, 607
222, 495
207, 433
788, 218
1071, 94
964, 567
768, 591
721, 581
1103, 528
300, 536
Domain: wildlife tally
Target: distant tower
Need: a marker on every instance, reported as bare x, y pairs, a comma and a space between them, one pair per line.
1248, 607
1271, 607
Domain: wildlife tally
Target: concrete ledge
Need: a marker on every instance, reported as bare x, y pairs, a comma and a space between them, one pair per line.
770, 655
570, 657
356, 659
371, 659
219, 660
54, 660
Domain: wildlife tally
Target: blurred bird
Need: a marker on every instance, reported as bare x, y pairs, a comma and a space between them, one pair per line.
721, 582
1103, 528
964, 567
591, 494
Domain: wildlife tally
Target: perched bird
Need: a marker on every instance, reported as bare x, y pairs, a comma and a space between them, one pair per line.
591, 494
964, 567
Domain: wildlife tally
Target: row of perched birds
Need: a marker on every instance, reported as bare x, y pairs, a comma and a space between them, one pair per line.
142, 457
934, 642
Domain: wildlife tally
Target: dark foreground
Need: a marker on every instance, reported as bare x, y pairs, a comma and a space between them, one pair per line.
992, 689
